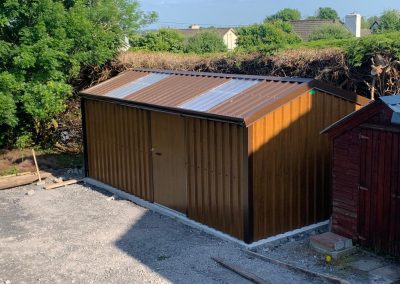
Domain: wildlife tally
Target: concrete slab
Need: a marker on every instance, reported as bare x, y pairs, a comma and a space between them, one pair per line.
389, 272
367, 264
330, 242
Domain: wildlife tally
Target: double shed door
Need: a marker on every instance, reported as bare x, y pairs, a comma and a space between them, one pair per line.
168, 160
379, 190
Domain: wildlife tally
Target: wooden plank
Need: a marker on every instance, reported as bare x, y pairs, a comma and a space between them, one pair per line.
61, 184
240, 271
15, 181
327, 277
16, 175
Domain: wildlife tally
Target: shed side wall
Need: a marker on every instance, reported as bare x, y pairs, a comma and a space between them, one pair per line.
291, 163
216, 174
118, 147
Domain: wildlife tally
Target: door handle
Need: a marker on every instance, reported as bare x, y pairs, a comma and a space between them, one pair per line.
158, 154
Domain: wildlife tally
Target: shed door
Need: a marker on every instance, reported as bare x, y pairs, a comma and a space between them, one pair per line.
379, 190
169, 170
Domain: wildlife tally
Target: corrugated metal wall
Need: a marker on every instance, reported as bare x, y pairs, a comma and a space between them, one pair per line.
118, 147
216, 181
290, 163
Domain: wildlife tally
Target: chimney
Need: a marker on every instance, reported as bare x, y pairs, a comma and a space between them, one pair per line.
353, 23
194, 27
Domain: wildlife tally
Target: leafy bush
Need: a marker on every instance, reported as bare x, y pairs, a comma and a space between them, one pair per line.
360, 51
43, 45
205, 42
162, 40
285, 15
325, 13
267, 37
390, 21
330, 32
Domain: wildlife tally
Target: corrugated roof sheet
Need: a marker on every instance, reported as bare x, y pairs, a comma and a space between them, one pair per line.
136, 85
393, 102
220, 94
240, 98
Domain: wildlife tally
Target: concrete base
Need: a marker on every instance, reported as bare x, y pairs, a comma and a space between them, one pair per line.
183, 219
390, 273
332, 244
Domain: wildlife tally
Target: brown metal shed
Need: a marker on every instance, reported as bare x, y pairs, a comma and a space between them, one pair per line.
241, 154
366, 175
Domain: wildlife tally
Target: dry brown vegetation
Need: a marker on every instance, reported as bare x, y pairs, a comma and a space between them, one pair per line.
325, 64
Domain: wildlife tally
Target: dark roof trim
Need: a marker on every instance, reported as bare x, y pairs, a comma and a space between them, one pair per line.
171, 110
278, 103
335, 91
352, 120
395, 129
222, 75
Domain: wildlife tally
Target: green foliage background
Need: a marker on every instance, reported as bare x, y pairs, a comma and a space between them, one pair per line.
267, 37
43, 45
206, 41
330, 32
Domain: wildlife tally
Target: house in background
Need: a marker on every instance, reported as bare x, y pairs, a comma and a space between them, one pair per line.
304, 28
352, 23
228, 34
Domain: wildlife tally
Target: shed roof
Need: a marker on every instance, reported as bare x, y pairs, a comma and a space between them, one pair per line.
236, 98
392, 102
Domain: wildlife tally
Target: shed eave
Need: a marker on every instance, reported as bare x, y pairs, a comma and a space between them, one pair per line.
172, 110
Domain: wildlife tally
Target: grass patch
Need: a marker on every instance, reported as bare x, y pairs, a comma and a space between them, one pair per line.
13, 170
70, 160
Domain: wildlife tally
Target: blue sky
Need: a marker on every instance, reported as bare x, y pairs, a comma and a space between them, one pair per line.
179, 13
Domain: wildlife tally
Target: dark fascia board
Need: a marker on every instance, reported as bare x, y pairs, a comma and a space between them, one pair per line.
335, 91
223, 75
352, 120
313, 84
171, 110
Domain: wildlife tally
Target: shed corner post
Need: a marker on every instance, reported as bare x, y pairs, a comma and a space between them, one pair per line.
247, 185
84, 137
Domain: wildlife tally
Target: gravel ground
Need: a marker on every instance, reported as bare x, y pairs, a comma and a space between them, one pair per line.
297, 251
78, 234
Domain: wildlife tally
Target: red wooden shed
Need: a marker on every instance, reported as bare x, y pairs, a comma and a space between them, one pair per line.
366, 175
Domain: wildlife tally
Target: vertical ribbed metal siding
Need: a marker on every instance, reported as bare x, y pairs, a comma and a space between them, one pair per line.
216, 174
118, 147
291, 165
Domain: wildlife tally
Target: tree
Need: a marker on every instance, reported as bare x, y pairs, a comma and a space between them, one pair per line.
43, 45
390, 21
330, 32
162, 40
285, 15
325, 13
267, 37
205, 42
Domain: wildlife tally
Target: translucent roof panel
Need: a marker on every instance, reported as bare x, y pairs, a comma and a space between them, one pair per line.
218, 95
137, 85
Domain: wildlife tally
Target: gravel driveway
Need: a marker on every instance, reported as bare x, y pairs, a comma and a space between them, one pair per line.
78, 234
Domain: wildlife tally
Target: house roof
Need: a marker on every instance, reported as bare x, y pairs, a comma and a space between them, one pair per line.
304, 28
365, 32
236, 98
392, 102
192, 32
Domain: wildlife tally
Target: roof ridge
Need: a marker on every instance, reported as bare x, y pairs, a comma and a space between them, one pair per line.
223, 75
